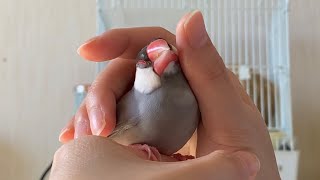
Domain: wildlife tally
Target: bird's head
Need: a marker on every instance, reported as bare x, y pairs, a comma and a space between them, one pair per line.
161, 55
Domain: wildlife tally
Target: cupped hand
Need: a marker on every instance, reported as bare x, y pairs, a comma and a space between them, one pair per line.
95, 158
230, 121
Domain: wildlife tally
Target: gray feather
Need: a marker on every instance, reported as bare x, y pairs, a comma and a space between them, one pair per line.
165, 119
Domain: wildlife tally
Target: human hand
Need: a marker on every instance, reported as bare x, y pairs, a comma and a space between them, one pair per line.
230, 121
93, 157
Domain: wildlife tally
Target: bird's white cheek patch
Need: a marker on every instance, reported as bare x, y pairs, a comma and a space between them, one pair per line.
146, 80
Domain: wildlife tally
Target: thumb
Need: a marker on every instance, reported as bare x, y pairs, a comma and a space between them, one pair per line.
218, 165
202, 64
219, 101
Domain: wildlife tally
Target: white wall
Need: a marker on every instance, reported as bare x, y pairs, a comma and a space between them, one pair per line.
39, 67
305, 57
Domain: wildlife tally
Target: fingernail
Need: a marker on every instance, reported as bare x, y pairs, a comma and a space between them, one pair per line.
97, 121
251, 161
86, 43
62, 133
82, 127
195, 29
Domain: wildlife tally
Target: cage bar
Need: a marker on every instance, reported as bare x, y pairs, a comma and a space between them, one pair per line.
248, 34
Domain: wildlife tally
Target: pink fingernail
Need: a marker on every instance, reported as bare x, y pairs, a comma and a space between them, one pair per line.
97, 120
87, 42
62, 133
196, 30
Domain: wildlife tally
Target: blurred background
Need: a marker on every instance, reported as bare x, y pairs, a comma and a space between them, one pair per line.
39, 68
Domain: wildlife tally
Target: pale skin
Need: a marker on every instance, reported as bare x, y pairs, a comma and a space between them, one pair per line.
232, 139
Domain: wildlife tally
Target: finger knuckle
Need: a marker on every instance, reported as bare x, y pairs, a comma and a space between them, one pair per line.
239, 166
81, 115
162, 30
91, 97
233, 163
93, 89
211, 74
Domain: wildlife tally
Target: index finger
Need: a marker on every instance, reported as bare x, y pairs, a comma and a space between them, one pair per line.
123, 42
104, 92
122, 45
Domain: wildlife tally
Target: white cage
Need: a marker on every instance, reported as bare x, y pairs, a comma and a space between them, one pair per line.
252, 38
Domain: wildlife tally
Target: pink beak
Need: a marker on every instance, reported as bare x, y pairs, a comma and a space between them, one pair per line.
160, 53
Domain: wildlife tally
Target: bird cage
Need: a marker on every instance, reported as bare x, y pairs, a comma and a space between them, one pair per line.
250, 35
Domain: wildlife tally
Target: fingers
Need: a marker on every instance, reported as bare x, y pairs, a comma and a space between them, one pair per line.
223, 111
218, 165
67, 133
79, 125
240, 89
228, 119
99, 158
125, 43
94, 157
203, 65
113, 82
97, 114
82, 123
101, 99
91, 157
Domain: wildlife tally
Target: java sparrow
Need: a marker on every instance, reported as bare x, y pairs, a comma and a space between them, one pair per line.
160, 110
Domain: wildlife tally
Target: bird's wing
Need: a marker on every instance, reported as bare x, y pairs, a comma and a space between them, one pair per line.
122, 127
127, 114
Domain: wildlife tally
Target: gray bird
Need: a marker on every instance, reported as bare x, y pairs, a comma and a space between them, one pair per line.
160, 110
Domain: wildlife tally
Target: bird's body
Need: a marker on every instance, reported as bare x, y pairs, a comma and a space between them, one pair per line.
160, 110
164, 119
